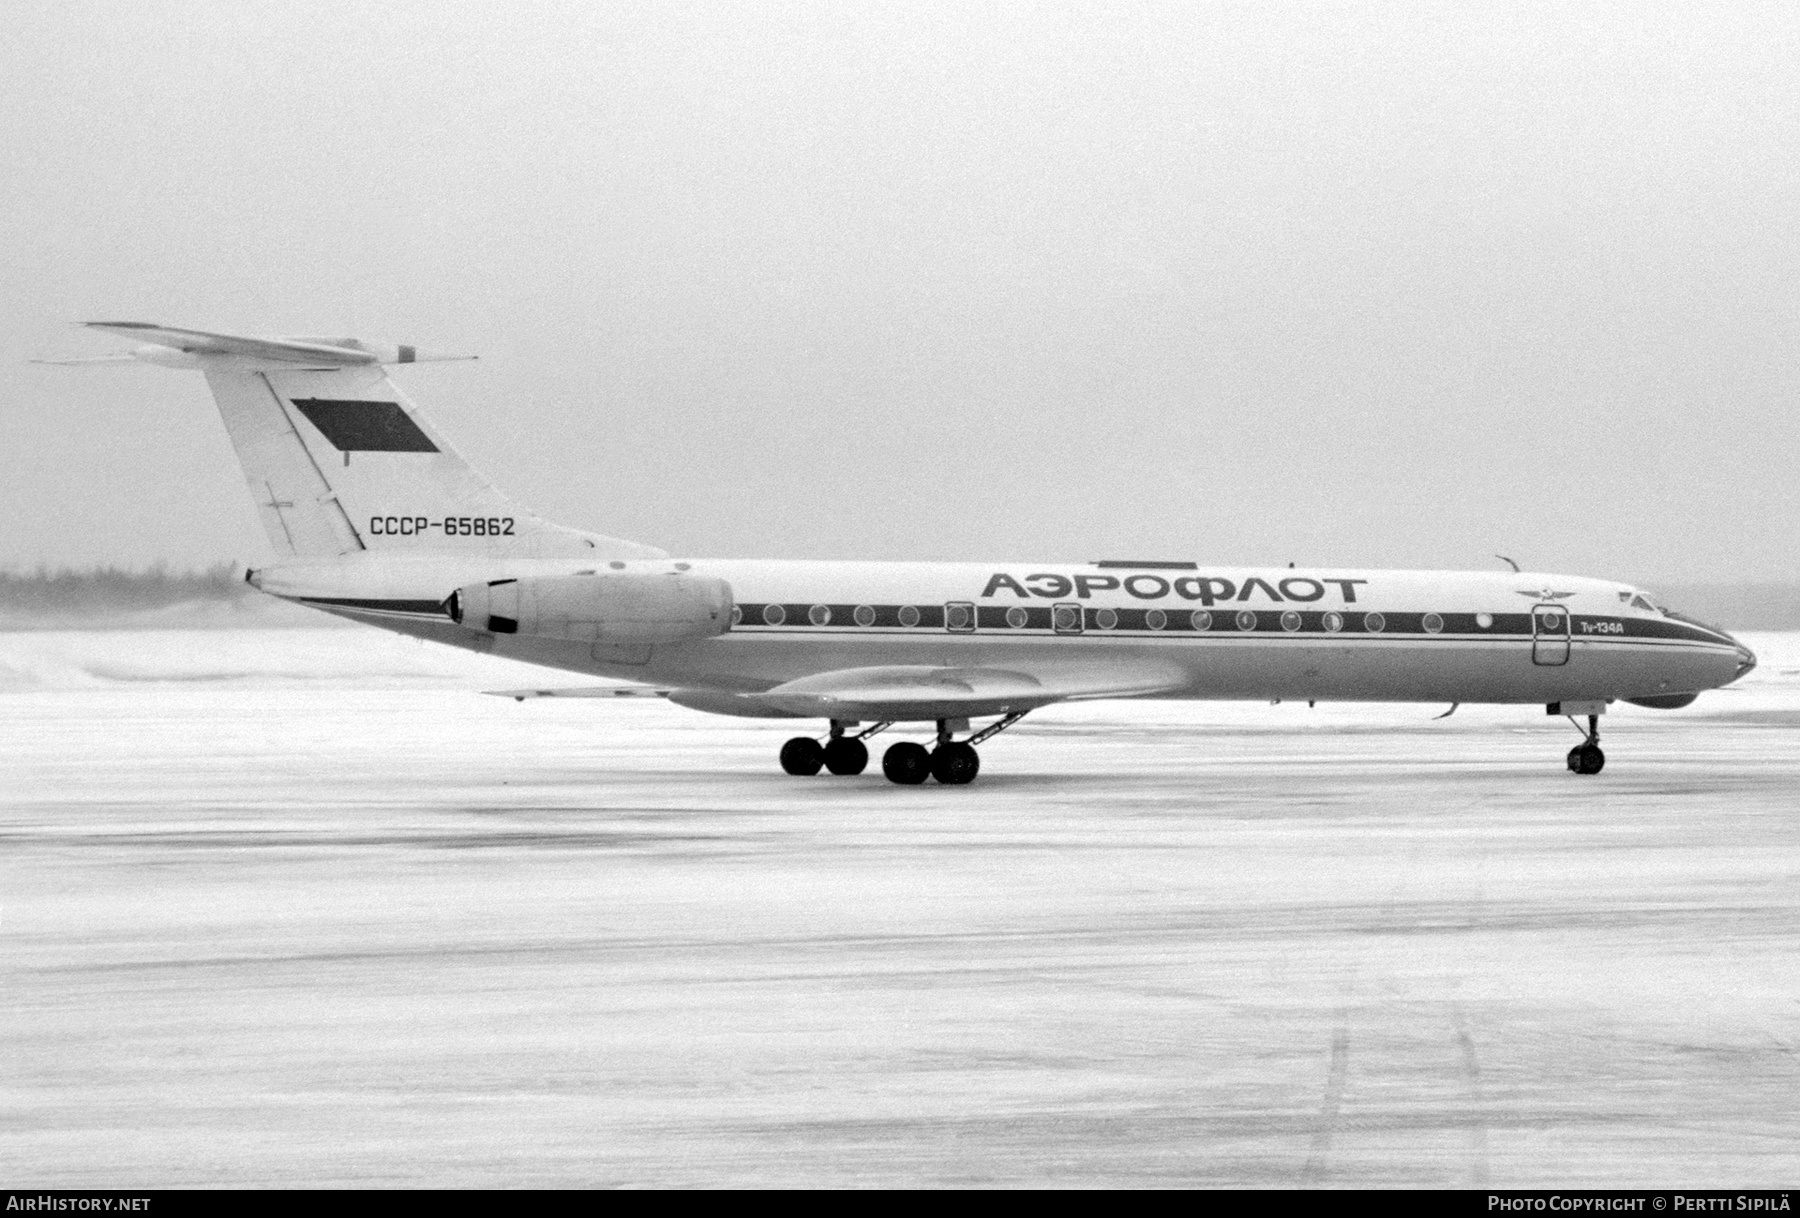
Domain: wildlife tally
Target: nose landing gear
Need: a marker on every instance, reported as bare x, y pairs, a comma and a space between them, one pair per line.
1586, 757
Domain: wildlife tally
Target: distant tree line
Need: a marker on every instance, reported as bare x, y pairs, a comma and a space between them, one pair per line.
1746, 606
117, 589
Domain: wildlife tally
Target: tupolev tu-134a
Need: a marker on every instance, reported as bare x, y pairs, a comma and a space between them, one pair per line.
376, 518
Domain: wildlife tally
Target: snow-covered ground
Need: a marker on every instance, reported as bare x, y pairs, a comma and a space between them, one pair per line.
302, 907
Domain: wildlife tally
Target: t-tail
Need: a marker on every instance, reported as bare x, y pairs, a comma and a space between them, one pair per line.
339, 462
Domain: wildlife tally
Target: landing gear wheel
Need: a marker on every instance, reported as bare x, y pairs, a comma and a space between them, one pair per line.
802, 755
955, 763
845, 755
906, 763
1586, 759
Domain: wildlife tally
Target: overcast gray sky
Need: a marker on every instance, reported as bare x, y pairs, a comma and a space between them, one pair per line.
1379, 284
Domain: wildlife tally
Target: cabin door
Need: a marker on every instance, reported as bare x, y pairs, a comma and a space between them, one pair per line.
1549, 635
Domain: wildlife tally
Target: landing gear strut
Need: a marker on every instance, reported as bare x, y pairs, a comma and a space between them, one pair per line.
1586, 757
847, 755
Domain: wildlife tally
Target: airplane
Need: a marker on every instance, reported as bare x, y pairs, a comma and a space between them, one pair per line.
376, 518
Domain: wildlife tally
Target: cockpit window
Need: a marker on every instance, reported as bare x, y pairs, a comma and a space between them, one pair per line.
1692, 621
1640, 601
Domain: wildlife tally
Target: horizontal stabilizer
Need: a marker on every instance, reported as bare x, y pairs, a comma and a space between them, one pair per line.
299, 352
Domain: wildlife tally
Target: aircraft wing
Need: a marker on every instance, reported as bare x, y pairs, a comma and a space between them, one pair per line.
925, 692
713, 701
582, 691
897, 692
78, 361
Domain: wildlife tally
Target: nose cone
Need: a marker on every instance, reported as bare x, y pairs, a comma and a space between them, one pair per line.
1740, 658
1746, 660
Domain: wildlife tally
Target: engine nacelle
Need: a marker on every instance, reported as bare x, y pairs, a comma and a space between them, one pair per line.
630, 607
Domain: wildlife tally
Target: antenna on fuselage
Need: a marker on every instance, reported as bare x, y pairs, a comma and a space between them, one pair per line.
1509, 562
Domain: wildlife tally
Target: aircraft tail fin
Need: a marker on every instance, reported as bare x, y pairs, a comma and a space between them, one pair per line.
339, 461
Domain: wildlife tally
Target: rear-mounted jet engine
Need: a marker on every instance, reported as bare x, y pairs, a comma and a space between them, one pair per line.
636, 608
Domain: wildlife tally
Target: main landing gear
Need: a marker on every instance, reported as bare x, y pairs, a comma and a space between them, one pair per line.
840, 754
953, 762
1586, 757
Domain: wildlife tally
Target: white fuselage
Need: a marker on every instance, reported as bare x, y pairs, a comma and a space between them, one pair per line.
1187, 630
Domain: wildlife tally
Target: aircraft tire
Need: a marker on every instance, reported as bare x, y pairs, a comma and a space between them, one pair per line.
846, 756
906, 763
955, 764
1586, 759
802, 756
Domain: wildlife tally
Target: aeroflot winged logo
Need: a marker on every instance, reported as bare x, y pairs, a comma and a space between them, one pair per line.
1543, 594
1207, 589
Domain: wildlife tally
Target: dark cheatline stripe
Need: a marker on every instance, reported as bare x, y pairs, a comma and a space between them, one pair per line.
1119, 564
1661, 629
434, 608
993, 619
